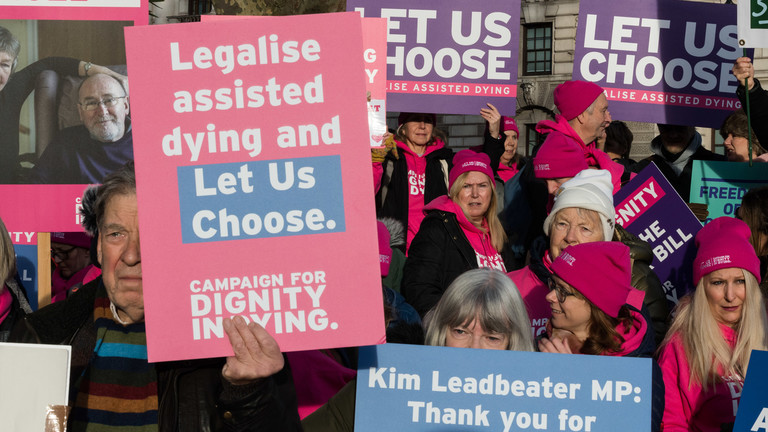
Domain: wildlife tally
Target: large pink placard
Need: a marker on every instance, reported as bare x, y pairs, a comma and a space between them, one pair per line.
254, 183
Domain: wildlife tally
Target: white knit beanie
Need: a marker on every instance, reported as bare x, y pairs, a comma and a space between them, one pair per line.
589, 189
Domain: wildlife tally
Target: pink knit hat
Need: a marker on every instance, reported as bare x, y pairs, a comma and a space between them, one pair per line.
602, 272
574, 97
724, 243
385, 250
508, 123
468, 160
558, 157
79, 239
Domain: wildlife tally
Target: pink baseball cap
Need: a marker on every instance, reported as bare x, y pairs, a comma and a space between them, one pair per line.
602, 272
468, 160
558, 157
724, 243
574, 97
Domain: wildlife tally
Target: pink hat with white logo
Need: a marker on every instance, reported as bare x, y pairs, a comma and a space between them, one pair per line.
469, 160
601, 272
724, 243
558, 157
508, 123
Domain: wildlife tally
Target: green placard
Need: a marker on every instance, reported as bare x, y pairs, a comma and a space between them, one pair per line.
721, 185
758, 14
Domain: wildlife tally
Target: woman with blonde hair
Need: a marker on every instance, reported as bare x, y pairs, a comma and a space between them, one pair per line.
705, 355
481, 309
461, 231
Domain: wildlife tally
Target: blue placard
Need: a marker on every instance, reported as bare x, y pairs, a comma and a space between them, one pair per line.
260, 199
26, 265
753, 407
423, 388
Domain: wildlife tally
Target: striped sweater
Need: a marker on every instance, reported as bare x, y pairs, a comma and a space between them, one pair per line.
118, 391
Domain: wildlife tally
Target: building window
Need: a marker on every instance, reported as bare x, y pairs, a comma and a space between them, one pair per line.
537, 49
718, 145
532, 138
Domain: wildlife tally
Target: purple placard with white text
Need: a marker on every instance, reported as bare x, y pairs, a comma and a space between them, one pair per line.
650, 208
660, 61
449, 57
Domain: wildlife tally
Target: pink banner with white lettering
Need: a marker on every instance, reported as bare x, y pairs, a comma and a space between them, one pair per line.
59, 42
41, 208
254, 183
660, 61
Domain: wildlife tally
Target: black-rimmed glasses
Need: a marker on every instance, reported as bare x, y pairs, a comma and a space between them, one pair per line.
108, 102
61, 254
560, 291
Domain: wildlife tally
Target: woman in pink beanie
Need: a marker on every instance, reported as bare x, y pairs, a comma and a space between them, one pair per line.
603, 317
705, 355
595, 310
461, 231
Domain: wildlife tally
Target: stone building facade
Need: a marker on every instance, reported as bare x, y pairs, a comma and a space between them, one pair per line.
534, 96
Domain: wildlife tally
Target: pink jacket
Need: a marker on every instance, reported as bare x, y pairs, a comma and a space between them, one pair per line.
689, 407
533, 291
417, 166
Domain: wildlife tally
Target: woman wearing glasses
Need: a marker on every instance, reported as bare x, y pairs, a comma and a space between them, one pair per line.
15, 87
480, 309
70, 251
595, 310
583, 212
704, 357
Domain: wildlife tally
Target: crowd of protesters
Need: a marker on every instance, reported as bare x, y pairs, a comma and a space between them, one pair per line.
500, 252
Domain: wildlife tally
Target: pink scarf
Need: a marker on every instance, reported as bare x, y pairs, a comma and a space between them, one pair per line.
5, 303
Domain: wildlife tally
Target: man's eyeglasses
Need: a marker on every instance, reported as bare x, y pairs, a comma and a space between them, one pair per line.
61, 254
560, 291
107, 102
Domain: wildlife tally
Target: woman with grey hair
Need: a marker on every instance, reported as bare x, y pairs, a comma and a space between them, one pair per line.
15, 87
583, 212
482, 308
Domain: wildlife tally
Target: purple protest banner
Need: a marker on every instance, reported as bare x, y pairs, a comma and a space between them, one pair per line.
649, 208
449, 57
660, 61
